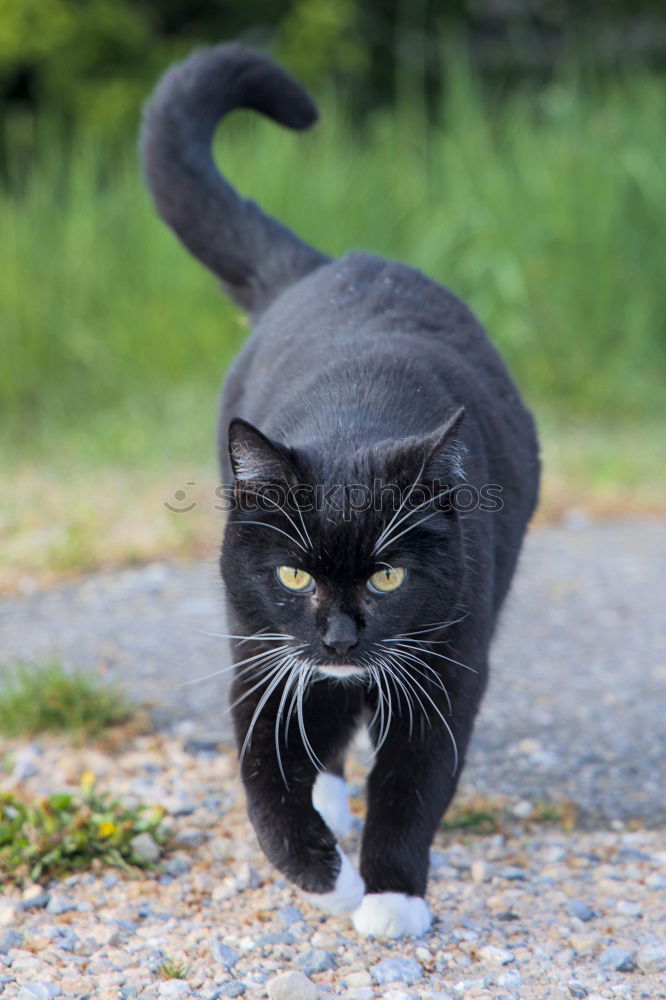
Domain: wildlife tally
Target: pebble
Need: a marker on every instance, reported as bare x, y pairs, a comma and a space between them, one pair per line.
10, 939
177, 865
617, 959
396, 970
174, 988
145, 848
628, 908
60, 903
579, 908
39, 991
233, 989
577, 989
275, 937
190, 838
496, 956
315, 961
292, 986
513, 874
37, 901
651, 957
223, 954
510, 980
290, 915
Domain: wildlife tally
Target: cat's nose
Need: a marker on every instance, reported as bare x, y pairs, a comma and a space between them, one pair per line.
341, 634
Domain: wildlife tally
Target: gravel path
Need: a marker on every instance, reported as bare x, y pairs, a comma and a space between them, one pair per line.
532, 912
575, 709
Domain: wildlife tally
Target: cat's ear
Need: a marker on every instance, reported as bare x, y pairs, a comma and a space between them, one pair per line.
255, 458
443, 452
436, 456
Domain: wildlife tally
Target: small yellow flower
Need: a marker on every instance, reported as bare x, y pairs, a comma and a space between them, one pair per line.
87, 782
106, 828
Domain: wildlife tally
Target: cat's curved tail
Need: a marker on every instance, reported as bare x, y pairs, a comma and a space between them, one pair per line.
253, 254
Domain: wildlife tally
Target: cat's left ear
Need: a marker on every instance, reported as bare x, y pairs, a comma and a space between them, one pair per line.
442, 451
255, 458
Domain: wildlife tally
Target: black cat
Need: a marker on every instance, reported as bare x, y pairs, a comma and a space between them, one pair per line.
363, 580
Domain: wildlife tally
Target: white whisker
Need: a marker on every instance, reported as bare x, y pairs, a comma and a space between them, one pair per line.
424, 649
271, 668
273, 527
436, 679
303, 679
280, 671
414, 683
233, 666
291, 677
387, 528
282, 511
383, 542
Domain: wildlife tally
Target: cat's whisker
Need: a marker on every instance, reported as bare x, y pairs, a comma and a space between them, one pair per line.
374, 681
389, 663
281, 670
233, 666
423, 648
305, 530
416, 684
262, 634
405, 531
303, 679
434, 679
273, 527
277, 657
405, 678
385, 710
263, 496
291, 678
385, 542
388, 527
258, 636
432, 627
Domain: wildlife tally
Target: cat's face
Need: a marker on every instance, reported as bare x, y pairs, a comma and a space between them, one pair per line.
339, 575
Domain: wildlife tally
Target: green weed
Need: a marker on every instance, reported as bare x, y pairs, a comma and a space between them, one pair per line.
70, 831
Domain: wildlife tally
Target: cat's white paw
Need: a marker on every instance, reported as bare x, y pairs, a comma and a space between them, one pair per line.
346, 895
330, 797
392, 914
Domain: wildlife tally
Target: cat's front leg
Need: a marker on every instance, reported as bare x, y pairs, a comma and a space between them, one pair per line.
290, 830
409, 788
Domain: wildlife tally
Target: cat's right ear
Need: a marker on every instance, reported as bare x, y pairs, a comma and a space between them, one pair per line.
255, 458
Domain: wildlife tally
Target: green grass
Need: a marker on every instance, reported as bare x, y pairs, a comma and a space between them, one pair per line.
545, 211
44, 698
171, 969
484, 816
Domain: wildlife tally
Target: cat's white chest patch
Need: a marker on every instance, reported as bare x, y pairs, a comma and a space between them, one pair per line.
346, 895
392, 915
330, 797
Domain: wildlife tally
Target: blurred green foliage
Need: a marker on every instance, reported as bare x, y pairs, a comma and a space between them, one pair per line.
91, 61
546, 213
529, 179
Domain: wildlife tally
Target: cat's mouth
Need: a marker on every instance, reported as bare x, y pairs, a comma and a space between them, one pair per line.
341, 669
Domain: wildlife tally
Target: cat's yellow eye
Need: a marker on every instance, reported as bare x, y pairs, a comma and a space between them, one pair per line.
384, 581
296, 580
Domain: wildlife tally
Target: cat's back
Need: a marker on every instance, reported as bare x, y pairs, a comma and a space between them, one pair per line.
364, 326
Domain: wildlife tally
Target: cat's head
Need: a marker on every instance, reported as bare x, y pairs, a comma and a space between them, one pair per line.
343, 559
